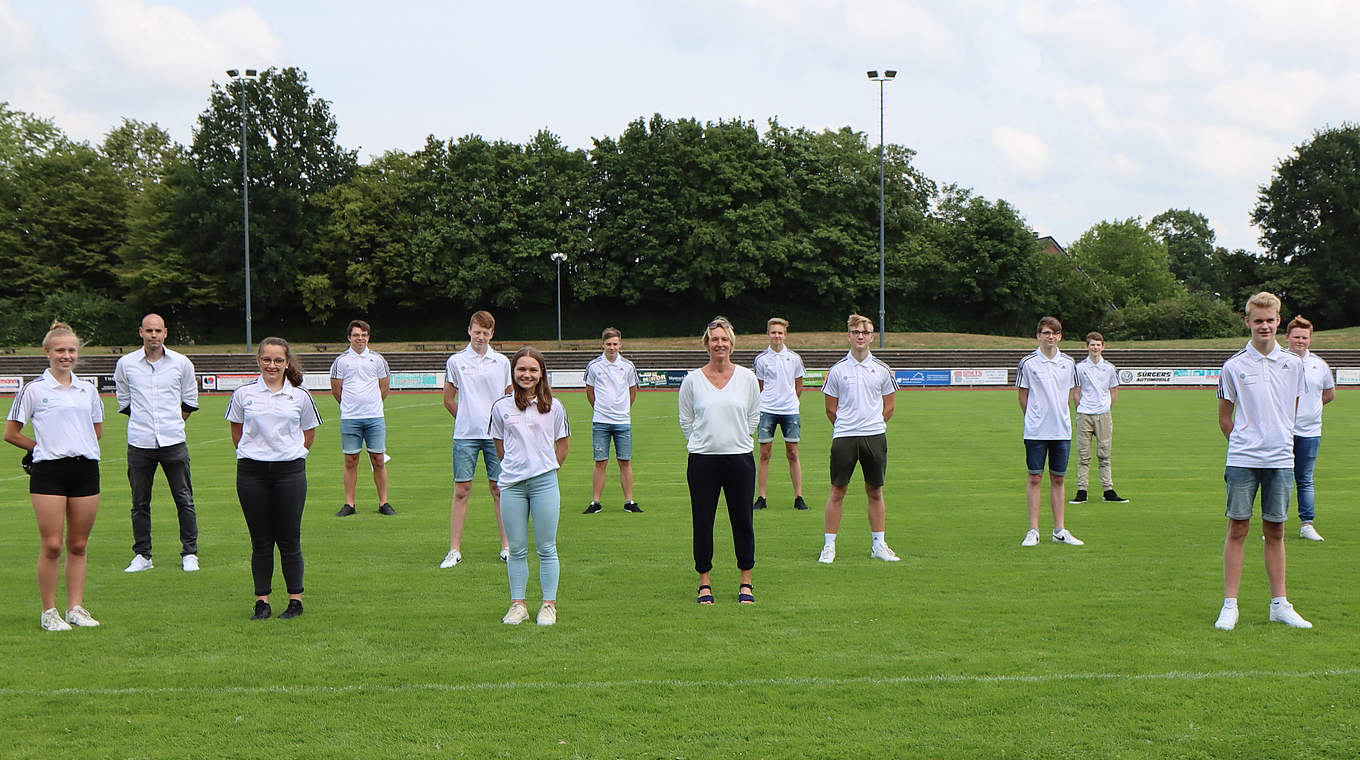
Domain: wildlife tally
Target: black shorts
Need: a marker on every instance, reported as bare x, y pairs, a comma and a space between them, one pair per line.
70, 476
871, 451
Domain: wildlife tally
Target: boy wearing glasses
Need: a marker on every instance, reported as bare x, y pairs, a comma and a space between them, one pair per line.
1047, 382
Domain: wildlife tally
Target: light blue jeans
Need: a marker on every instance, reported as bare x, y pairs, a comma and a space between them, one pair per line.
1305, 457
538, 498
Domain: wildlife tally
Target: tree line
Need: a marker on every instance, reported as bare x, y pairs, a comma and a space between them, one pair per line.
667, 223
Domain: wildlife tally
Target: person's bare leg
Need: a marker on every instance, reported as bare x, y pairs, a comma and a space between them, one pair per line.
626, 478
1032, 494
597, 480
795, 468
835, 501
458, 514
80, 513
1274, 552
763, 469
878, 511
50, 511
1234, 549
496, 504
351, 476
379, 476
1057, 499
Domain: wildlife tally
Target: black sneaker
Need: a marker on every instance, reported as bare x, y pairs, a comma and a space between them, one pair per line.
799, 504
294, 609
759, 503
594, 507
1080, 498
631, 506
386, 509
346, 511
1110, 495
262, 611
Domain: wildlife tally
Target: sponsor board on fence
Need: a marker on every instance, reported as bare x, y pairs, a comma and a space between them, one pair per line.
227, 382
1348, 377
674, 377
652, 378
814, 378
992, 376
1169, 376
105, 383
916, 378
11, 384
567, 378
416, 381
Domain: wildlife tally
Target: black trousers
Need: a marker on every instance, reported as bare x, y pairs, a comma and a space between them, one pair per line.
141, 471
735, 476
272, 495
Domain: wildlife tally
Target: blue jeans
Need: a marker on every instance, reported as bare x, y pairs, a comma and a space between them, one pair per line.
465, 452
1273, 483
622, 435
1305, 456
355, 434
538, 498
1056, 452
789, 426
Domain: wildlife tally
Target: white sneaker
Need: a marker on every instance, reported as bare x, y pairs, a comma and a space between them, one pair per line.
51, 621
1309, 532
881, 551
517, 614
1031, 538
505, 554
190, 563
1284, 613
828, 555
452, 558
138, 564
547, 614
1065, 537
1227, 619
80, 618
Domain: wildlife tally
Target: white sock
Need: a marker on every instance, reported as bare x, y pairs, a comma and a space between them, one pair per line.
1230, 603
877, 536
1274, 600
830, 540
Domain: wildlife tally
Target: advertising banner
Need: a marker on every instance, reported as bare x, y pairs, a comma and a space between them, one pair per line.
978, 376
11, 384
1195, 376
814, 378
567, 378
1348, 377
916, 378
674, 377
226, 382
417, 381
652, 378
104, 383
1145, 377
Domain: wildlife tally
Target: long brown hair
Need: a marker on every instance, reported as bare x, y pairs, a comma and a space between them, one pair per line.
292, 370
541, 393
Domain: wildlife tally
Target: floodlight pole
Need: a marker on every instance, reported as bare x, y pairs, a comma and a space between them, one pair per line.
245, 191
559, 257
887, 76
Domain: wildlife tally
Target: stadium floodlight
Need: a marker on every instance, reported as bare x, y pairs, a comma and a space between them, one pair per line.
559, 257
888, 76
245, 191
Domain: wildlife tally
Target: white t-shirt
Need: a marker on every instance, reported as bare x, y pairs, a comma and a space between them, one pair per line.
480, 380
63, 417
154, 396
1095, 381
719, 420
859, 389
272, 422
611, 381
1264, 391
529, 437
778, 370
360, 396
1048, 381
1317, 378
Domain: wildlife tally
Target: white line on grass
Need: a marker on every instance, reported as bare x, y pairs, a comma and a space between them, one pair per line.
1172, 675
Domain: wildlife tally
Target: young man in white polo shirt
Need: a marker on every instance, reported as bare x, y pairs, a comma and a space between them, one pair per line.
1098, 383
360, 379
157, 390
611, 388
473, 379
780, 373
861, 395
1047, 381
1319, 390
1258, 396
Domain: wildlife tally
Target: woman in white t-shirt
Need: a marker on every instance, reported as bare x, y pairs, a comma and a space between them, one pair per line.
529, 428
63, 465
719, 409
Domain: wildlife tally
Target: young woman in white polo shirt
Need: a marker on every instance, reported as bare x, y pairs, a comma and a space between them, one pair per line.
530, 431
63, 465
273, 423
719, 408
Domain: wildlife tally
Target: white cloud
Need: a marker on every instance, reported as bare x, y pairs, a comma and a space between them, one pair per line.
1024, 152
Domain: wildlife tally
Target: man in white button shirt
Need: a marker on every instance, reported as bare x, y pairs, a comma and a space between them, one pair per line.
1047, 380
611, 388
780, 373
1098, 385
861, 395
157, 390
359, 382
1258, 397
1319, 390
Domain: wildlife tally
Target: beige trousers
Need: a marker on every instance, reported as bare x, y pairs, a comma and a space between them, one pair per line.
1101, 427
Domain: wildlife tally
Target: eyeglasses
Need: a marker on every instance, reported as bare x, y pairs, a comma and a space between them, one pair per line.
273, 360
861, 333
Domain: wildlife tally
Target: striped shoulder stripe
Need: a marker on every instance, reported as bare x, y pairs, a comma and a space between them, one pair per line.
884, 365
843, 360
312, 400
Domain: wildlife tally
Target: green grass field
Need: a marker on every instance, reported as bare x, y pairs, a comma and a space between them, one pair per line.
969, 647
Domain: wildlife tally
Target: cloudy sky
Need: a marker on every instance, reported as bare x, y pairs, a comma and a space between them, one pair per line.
1073, 110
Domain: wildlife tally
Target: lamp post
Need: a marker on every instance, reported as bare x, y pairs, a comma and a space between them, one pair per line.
887, 77
245, 189
559, 257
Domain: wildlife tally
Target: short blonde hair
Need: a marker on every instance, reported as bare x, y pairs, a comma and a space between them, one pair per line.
720, 321
1264, 300
855, 320
784, 323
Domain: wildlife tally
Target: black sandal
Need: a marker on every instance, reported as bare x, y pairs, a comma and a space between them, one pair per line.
745, 598
705, 598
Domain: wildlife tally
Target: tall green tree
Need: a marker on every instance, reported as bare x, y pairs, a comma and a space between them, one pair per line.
1189, 242
139, 152
1129, 262
24, 135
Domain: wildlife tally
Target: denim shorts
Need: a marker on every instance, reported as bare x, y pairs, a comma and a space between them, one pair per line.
1055, 451
1274, 484
789, 426
356, 434
601, 433
465, 452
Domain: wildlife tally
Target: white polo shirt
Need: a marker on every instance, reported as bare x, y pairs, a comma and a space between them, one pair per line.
480, 380
1317, 377
360, 396
611, 382
1095, 381
272, 422
778, 370
1264, 391
719, 420
529, 437
154, 396
63, 417
1048, 381
859, 388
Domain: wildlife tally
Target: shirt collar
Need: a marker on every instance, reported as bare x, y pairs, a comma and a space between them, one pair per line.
1057, 355
52, 382
867, 358
1276, 353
